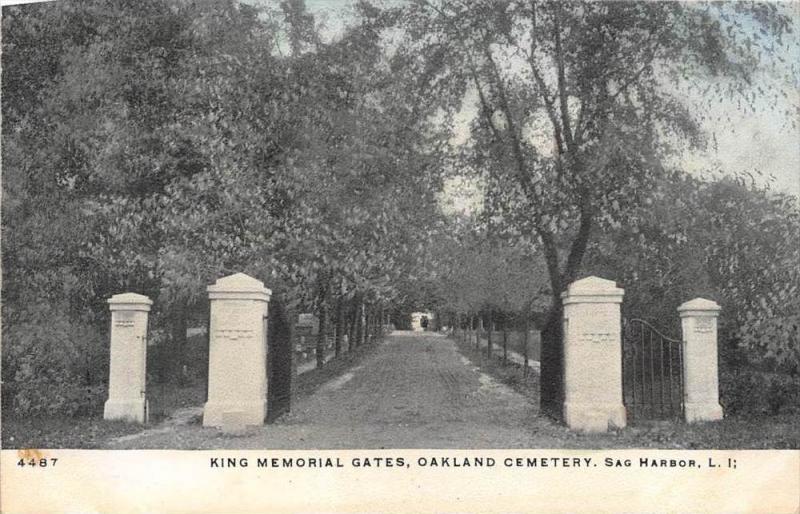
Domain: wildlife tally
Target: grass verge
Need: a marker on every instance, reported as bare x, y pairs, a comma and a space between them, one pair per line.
62, 432
763, 432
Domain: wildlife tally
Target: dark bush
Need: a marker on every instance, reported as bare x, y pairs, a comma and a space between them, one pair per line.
53, 365
749, 391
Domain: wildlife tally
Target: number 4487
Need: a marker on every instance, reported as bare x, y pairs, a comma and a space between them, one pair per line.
37, 463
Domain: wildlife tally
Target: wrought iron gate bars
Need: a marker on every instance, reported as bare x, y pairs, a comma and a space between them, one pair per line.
645, 400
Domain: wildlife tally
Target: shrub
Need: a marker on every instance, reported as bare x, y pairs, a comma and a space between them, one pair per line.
53, 365
749, 391
771, 334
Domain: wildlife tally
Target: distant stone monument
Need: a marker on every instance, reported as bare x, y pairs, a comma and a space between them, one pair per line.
237, 358
593, 355
700, 372
127, 373
307, 324
420, 321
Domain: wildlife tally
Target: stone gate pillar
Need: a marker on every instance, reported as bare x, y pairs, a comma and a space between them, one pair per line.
127, 374
700, 373
593, 355
237, 354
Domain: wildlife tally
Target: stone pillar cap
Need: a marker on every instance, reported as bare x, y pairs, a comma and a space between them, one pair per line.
239, 286
593, 286
129, 302
698, 305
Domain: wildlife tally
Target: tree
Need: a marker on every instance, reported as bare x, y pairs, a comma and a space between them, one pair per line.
121, 169
364, 184
155, 147
477, 273
728, 239
578, 105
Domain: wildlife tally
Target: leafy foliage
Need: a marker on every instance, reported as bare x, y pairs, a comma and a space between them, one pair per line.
157, 147
579, 107
726, 239
53, 366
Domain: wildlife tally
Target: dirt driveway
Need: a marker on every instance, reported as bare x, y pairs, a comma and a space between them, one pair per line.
414, 391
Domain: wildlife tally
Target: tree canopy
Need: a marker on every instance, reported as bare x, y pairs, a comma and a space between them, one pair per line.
579, 107
157, 146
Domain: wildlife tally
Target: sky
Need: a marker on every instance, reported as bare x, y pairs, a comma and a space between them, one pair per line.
765, 140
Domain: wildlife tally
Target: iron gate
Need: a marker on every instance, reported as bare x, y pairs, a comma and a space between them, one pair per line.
279, 360
652, 372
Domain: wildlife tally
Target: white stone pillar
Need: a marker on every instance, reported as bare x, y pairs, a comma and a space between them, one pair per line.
700, 373
593, 355
127, 374
237, 354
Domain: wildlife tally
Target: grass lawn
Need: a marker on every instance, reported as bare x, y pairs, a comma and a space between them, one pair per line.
516, 342
92, 431
61, 432
767, 432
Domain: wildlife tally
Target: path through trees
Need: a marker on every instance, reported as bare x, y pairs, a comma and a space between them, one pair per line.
158, 148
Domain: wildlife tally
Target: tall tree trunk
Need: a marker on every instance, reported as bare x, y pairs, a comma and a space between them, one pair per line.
551, 397
473, 329
180, 322
505, 339
322, 336
363, 323
489, 335
351, 327
525, 341
337, 348
346, 331
367, 325
359, 320
371, 317
551, 387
